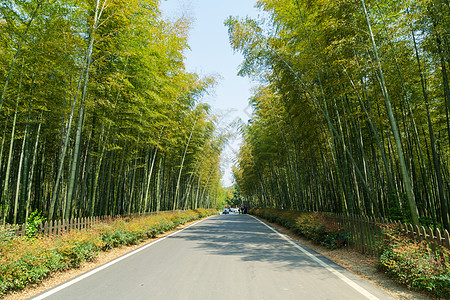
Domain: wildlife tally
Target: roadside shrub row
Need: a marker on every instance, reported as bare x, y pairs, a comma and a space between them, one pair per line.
25, 260
313, 226
415, 264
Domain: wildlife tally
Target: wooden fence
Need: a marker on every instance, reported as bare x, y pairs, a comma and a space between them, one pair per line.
366, 233
59, 226
435, 237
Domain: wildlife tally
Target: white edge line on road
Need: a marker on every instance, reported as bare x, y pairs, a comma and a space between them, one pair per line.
350, 282
92, 272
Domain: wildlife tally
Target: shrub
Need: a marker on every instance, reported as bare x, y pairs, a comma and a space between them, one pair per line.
76, 247
415, 264
22, 262
314, 226
119, 237
32, 225
7, 233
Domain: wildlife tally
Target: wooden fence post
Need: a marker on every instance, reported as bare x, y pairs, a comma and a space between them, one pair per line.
358, 233
432, 239
50, 227
58, 227
23, 229
438, 237
363, 234
46, 228
446, 241
410, 231
372, 235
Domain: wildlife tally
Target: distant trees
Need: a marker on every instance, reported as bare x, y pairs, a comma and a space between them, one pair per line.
98, 115
352, 114
234, 198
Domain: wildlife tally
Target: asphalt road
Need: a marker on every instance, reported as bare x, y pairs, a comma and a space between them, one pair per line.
222, 257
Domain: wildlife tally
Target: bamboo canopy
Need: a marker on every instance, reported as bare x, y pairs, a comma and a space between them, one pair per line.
98, 115
351, 114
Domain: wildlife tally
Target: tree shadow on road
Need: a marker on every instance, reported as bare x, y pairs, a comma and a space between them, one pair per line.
242, 237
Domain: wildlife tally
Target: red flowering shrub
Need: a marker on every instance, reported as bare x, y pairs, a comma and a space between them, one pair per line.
314, 226
415, 264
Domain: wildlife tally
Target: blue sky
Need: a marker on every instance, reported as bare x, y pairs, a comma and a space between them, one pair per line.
211, 54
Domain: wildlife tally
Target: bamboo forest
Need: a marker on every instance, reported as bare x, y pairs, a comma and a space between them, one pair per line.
98, 115
351, 107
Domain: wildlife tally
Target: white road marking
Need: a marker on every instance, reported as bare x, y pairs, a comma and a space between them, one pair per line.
92, 272
350, 282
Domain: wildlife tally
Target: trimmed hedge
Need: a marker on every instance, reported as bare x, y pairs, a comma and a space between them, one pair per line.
414, 264
24, 261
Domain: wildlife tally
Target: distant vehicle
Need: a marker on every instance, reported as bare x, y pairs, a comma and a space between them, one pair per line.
233, 210
225, 211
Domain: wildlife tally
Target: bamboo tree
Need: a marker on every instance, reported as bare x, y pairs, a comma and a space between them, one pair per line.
96, 20
175, 201
5, 193
19, 175
17, 53
130, 60
149, 177
74, 164
405, 175
33, 163
436, 163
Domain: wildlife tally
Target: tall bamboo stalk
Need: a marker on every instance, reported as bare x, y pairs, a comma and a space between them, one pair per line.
405, 176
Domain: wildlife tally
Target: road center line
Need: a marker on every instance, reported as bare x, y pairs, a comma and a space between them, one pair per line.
350, 282
92, 272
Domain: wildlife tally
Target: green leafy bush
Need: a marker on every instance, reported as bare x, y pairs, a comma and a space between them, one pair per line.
32, 225
118, 238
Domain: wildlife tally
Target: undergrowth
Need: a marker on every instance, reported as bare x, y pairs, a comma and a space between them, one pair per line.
32, 258
415, 264
314, 226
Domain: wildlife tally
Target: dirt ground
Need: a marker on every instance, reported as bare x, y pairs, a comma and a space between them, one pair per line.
361, 265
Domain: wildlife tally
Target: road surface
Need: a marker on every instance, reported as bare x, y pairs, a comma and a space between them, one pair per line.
222, 257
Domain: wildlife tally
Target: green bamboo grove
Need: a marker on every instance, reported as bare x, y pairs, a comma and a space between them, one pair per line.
98, 115
351, 114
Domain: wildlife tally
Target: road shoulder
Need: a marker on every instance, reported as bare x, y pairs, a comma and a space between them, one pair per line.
364, 266
58, 278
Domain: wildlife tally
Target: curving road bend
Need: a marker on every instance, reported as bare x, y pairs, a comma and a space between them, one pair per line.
222, 257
